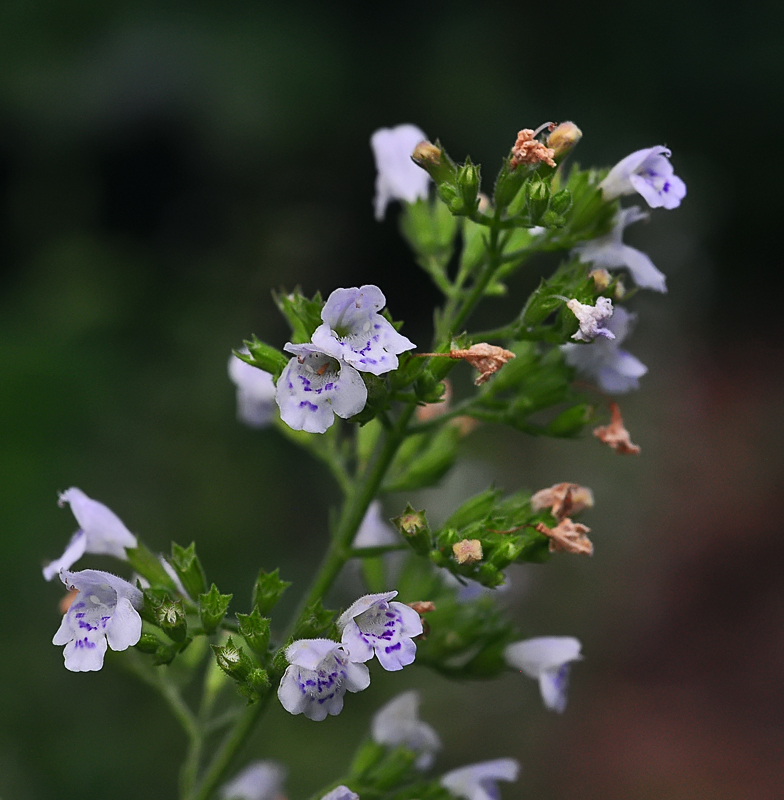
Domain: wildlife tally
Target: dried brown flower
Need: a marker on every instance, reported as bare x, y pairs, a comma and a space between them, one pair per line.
487, 358
615, 434
468, 551
563, 499
423, 606
568, 537
529, 150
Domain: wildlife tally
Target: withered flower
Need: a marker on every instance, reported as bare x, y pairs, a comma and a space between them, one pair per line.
468, 551
563, 499
529, 150
615, 434
568, 537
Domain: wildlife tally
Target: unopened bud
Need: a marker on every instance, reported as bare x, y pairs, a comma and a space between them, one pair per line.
436, 162
561, 201
563, 139
601, 278
468, 182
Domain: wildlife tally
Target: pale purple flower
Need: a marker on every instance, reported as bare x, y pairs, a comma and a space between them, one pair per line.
104, 610
592, 319
648, 172
374, 625
356, 333
548, 660
261, 780
318, 675
314, 386
255, 393
615, 370
610, 252
477, 782
341, 793
398, 178
397, 723
101, 532
375, 531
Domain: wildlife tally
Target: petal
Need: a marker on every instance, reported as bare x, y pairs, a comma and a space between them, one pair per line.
85, 654
260, 780
64, 632
87, 579
357, 677
296, 410
309, 653
618, 182
125, 627
642, 269
553, 684
399, 178
364, 603
375, 531
359, 649
289, 693
411, 621
396, 655
341, 793
73, 552
350, 394
106, 533
532, 656
474, 782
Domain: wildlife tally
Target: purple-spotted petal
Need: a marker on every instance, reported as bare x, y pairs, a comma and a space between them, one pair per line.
313, 387
354, 332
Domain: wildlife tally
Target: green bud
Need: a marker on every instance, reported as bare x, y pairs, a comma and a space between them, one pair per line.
263, 356
436, 162
367, 756
468, 181
506, 552
303, 315
170, 618
563, 139
392, 769
316, 622
451, 195
413, 525
212, 608
552, 220
233, 660
537, 193
561, 201
507, 185
256, 631
149, 643
189, 569
268, 590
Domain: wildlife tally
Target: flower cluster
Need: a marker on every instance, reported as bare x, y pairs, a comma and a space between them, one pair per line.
321, 671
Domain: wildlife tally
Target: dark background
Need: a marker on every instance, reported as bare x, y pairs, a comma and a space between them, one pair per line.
163, 166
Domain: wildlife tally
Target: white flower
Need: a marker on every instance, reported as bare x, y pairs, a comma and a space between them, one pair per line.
353, 330
615, 370
610, 252
313, 387
477, 782
101, 532
104, 610
341, 793
397, 723
399, 178
648, 172
592, 319
319, 675
548, 659
374, 530
261, 780
374, 625
255, 393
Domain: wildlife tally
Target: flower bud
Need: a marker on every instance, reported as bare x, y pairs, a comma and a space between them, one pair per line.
468, 183
170, 617
413, 525
436, 162
189, 569
256, 631
268, 590
233, 660
561, 201
538, 195
563, 139
212, 608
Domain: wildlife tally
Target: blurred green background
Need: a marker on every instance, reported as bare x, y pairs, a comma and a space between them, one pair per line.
163, 166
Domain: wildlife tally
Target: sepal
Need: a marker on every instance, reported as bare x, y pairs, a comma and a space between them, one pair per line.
317, 622
171, 619
413, 526
189, 569
263, 356
255, 629
268, 590
212, 608
303, 315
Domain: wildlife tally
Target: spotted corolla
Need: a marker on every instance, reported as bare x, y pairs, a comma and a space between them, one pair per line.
314, 386
592, 319
478, 781
354, 332
609, 251
373, 624
547, 659
318, 675
648, 172
603, 360
105, 610
101, 532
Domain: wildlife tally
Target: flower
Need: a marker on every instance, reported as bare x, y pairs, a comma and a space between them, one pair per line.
375, 531
487, 358
615, 434
648, 172
261, 780
548, 659
609, 251
255, 393
101, 531
529, 150
313, 387
591, 319
563, 499
397, 723
341, 793
318, 675
373, 624
399, 178
477, 782
104, 610
467, 551
354, 332
568, 537
615, 370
